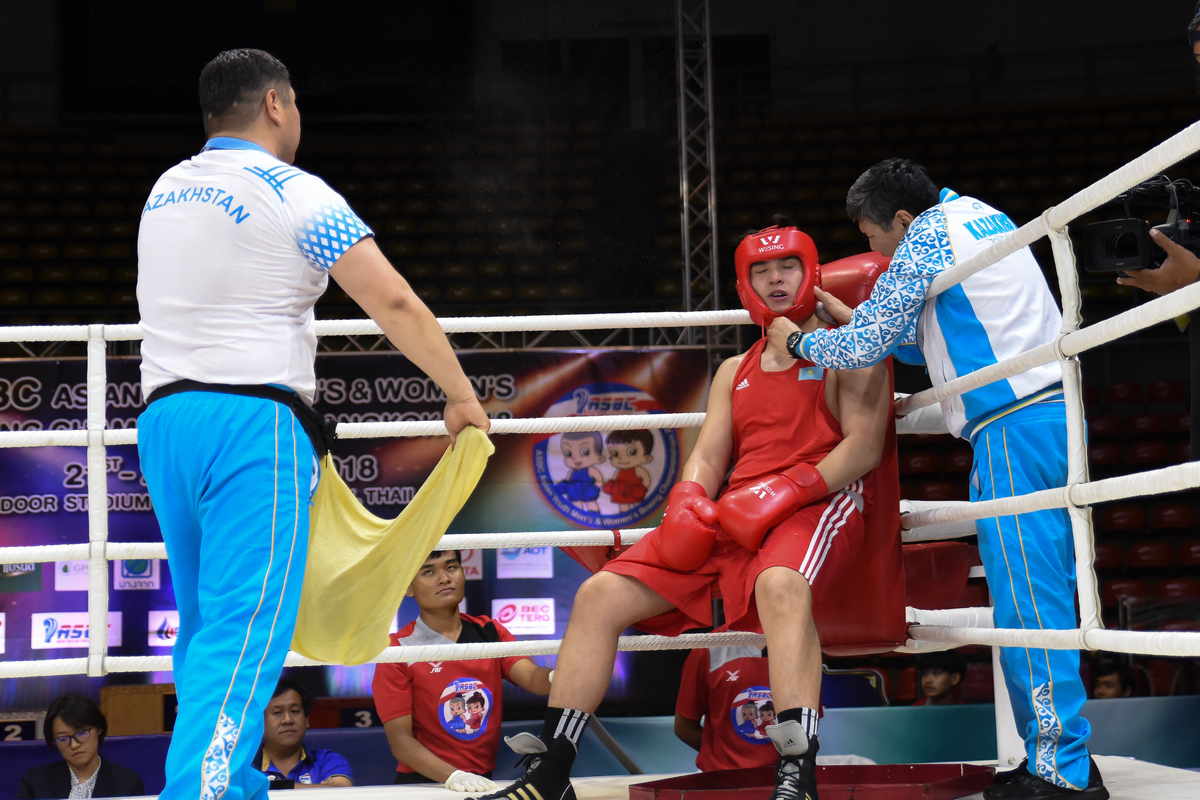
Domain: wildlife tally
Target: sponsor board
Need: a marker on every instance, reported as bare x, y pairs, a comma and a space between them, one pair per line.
20, 578
68, 629
3, 630
525, 614
145, 573
525, 562
472, 564
163, 628
71, 576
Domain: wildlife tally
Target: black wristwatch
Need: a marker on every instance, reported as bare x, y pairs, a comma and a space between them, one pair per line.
793, 344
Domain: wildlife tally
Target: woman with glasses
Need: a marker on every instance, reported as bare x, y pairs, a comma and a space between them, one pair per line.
75, 728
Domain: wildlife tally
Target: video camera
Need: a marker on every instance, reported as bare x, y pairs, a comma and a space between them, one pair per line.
1124, 244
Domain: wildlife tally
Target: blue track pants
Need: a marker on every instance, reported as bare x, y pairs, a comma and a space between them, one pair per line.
230, 478
1030, 565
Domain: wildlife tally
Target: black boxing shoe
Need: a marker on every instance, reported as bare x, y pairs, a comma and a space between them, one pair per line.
1010, 775
1021, 784
547, 774
796, 775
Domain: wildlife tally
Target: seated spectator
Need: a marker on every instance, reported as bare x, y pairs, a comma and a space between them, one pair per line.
283, 757
75, 729
724, 707
941, 675
1112, 679
442, 718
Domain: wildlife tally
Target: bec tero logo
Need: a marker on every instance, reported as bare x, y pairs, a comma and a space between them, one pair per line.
69, 629
525, 614
163, 628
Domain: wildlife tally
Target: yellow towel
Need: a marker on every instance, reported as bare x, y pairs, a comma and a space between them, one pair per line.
359, 565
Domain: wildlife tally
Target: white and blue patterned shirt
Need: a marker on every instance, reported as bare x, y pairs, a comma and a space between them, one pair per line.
234, 249
993, 315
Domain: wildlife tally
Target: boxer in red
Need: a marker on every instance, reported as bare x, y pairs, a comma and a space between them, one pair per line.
802, 442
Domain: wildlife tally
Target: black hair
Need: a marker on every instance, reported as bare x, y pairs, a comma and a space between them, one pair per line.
889, 186
289, 685
1122, 670
232, 86
950, 661
440, 553
76, 710
642, 437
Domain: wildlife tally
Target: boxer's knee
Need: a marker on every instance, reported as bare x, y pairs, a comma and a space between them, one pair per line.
783, 590
602, 598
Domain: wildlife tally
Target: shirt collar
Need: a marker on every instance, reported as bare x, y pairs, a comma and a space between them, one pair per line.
233, 143
266, 760
947, 195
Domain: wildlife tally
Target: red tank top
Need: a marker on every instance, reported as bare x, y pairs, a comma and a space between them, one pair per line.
779, 418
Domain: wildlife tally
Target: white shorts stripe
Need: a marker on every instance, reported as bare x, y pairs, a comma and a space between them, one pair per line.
830, 524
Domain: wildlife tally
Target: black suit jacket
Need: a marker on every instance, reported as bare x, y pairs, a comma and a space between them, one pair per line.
53, 782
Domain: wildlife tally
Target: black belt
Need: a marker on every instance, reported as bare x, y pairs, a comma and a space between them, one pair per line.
321, 430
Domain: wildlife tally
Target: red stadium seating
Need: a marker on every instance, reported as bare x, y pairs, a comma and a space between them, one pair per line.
1166, 392
1150, 555
1177, 589
1189, 553
905, 689
958, 462
1122, 518
1105, 426
1173, 516
1114, 590
978, 686
1180, 424
920, 463
1163, 675
1106, 454
939, 491
1147, 453
1091, 396
1148, 424
1108, 556
1124, 394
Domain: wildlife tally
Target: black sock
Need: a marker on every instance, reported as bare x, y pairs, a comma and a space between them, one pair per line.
561, 731
807, 717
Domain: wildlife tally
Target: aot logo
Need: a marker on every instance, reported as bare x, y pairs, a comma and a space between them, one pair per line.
163, 628
137, 574
525, 562
525, 614
69, 629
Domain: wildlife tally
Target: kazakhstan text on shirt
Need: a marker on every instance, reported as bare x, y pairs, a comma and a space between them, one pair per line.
991, 225
198, 194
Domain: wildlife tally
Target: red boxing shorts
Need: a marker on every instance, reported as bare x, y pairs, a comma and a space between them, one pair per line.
816, 541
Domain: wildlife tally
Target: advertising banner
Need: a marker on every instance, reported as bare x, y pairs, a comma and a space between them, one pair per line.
588, 480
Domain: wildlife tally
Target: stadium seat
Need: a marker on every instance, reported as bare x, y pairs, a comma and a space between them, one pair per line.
920, 463
1177, 589
1106, 454
1105, 426
1122, 518
1189, 553
1113, 590
905, 688
55, 274
1173, 516
1147, 453
1108, 556
1170, 393
1123, 394
1150, 555
938, 491
978, 686
1163, 674
1148, 424
958, 462
16, 275
1181, 452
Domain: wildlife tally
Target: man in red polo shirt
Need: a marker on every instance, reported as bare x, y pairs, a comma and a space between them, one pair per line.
442, 718
724, 686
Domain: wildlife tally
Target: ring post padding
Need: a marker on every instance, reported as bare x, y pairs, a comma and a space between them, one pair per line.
97, 491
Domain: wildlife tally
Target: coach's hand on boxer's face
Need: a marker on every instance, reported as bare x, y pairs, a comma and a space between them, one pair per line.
1182, 268
461, 413
781, 327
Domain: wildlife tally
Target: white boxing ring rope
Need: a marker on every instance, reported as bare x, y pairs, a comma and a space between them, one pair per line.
929, 629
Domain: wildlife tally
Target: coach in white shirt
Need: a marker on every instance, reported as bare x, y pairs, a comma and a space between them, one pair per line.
234, 248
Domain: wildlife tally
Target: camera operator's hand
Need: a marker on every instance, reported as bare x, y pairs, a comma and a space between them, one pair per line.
1182, 268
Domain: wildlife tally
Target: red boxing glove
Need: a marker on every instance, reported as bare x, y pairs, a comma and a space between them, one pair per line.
687, 533
747, 514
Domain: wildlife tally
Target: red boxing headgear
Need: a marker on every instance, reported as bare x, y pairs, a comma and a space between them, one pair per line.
768, 245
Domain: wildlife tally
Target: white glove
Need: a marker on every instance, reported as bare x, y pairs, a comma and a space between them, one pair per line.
460, 781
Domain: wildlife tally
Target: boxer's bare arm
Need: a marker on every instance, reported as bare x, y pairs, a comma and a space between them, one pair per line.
709, 460
864, 406
366, 275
